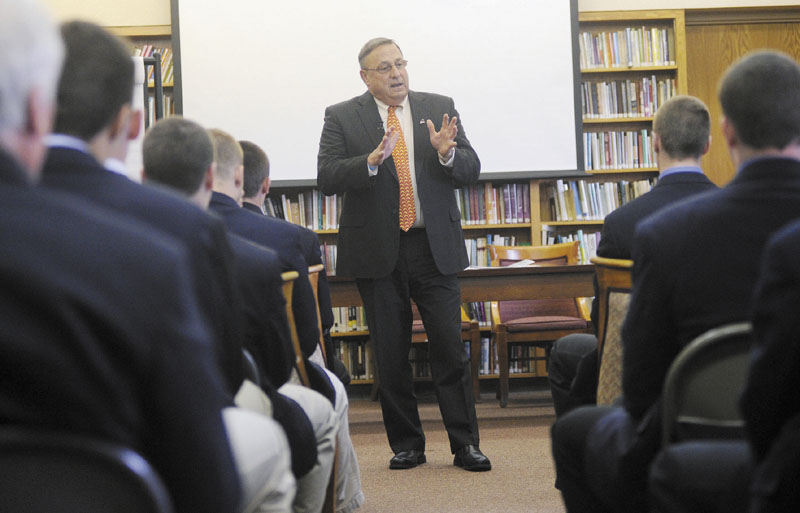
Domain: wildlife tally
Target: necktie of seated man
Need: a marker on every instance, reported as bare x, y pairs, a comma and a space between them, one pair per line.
408, 214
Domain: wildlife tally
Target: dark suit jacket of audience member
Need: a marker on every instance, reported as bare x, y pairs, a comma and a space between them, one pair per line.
204, 236
266, 328
286, 240
772, 395
617, 235
266, 336
98, 318
313, 256
695, 268
616, 238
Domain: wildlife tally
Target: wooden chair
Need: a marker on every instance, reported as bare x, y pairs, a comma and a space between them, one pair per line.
289, 278
614, 284
313, 278
538, 322
330, 494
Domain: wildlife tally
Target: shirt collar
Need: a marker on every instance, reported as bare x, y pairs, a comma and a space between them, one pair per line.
680, 169
67, 141
116, 165
385, 108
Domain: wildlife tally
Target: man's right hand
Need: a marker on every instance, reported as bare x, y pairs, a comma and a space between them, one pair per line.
384, 149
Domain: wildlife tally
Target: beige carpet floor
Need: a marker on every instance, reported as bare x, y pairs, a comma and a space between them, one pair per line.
515, 438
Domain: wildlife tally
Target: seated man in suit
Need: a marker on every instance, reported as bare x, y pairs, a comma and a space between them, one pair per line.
693, 271
94, 122
286, 239
681, 136
771, 399
256, 187
179, 153
98, 310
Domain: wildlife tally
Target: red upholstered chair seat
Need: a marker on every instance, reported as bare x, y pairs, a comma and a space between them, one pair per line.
534, 322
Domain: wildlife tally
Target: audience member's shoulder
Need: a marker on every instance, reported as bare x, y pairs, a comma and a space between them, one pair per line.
679, 215
251, 255
787, 237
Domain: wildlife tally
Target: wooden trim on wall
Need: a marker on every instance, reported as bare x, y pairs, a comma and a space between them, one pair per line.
744, 15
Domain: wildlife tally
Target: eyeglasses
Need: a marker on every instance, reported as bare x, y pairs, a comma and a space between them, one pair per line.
383, 69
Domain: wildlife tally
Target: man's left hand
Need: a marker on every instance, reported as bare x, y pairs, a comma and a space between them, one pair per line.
444, 139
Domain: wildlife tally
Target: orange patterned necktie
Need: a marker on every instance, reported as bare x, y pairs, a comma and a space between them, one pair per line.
408, 214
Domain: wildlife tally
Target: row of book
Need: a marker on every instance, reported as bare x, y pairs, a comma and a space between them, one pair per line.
311, 209
618, 149
167, 68
588, 241
480, 311
328, 252
169, 108
626, 98
476, 247
629, 47
486, 203
349, 319
357, 357
579, 200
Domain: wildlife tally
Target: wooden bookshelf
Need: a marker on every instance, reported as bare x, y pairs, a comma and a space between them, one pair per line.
158, 37
631, 62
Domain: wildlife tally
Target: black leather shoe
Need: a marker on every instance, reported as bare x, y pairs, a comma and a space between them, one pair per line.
407, 459
471, 458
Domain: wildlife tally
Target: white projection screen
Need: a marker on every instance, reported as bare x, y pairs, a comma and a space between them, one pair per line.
265, 70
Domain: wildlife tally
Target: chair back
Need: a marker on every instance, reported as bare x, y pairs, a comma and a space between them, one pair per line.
61, 472
702, 388
614, 282
313, 278
288, 279
554, 254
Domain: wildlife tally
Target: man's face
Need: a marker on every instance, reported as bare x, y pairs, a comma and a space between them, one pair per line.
392, 87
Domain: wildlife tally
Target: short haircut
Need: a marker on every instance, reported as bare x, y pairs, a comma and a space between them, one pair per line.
227, 152
760, 96
177, 152
97, 80
31, 53
256, 167
683, 124
373, 44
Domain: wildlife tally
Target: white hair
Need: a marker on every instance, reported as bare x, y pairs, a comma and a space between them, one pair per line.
31, 54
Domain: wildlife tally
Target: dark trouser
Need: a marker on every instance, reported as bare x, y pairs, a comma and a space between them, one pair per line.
388, 309
572, 372
602, 456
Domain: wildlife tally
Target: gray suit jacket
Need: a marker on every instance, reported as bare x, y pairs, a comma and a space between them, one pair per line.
369, 233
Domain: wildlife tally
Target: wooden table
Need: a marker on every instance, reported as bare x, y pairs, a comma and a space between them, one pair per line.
497, 284
494, 284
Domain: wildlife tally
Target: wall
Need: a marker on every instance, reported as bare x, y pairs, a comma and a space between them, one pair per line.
157, 12
113, 14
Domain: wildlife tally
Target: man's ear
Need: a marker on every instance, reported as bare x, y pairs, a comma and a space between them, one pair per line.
135, 126
265, 186
211, 172
656, 143
39, 114
728, 132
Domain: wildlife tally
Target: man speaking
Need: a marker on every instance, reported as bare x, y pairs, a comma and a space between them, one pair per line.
400, 237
